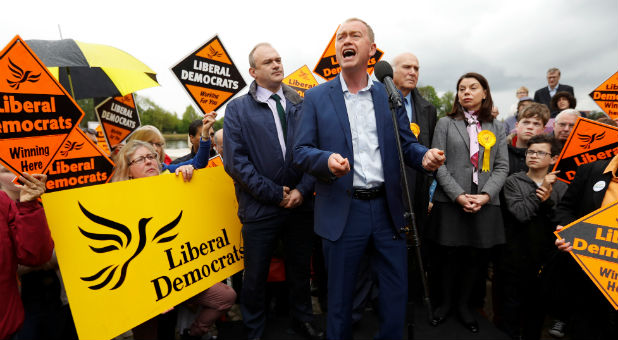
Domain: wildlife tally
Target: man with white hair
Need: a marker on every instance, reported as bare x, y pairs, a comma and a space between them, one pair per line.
564, 123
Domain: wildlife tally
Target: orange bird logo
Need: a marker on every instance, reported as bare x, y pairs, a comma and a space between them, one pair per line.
21, 76
213, 53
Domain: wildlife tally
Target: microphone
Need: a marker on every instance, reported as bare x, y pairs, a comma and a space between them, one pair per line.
384, 73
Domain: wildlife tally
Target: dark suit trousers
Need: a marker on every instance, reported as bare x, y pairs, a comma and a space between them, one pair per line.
368, 225
260, 240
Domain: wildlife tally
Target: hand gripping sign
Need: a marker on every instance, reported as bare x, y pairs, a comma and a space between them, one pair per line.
588, 142
127, 259
328, 67
209, 76
595, 248
36, 112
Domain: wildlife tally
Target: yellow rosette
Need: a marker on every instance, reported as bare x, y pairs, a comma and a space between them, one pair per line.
415, 129
487, 139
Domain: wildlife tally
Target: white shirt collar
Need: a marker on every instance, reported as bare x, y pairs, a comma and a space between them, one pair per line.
263, 95
344, 86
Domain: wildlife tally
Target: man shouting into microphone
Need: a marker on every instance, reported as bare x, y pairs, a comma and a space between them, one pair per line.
346, 141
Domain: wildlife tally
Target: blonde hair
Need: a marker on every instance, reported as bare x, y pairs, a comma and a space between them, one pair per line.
148, 133
121, 171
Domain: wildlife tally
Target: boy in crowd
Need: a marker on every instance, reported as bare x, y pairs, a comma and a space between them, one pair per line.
530, 122
530, 198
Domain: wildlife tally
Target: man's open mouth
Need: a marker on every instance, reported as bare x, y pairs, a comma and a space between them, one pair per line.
348, 53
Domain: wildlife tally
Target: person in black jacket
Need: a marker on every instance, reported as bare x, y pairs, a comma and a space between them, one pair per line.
530, 197
544, 95
275, 199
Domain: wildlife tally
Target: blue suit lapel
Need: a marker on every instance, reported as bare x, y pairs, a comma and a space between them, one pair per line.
336, 95
382, 112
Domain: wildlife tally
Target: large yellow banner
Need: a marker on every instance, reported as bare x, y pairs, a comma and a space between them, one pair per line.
131, 250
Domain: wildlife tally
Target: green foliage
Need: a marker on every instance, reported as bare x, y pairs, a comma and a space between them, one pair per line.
594, 115
152, 114
187, 117
446, 103
443, 103
87, 105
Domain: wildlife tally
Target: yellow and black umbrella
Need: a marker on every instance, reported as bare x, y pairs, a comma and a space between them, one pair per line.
93, 70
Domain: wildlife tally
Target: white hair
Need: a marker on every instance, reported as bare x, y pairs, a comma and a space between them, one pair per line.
567, 112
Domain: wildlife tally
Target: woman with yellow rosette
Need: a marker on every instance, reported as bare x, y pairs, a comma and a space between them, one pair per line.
466, 220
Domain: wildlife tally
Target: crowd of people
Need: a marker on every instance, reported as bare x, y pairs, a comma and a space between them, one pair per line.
318, 182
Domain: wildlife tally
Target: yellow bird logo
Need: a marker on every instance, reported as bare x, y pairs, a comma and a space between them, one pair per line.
120, 237
21, 76
589, 139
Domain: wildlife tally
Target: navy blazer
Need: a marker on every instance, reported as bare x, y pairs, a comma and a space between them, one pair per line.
252, 156
325, 129
542, 95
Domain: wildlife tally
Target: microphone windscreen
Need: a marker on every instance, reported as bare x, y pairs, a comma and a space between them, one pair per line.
383, 69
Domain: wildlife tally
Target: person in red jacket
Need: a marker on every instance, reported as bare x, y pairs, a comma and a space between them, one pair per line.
24, 239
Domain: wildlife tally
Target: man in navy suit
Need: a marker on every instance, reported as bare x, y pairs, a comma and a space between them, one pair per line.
544, 95
274, 198
346, 140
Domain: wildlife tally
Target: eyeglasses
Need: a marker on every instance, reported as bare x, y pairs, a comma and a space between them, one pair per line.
142, 159
541, 154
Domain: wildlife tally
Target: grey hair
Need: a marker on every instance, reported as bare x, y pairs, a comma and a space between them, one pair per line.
251, 58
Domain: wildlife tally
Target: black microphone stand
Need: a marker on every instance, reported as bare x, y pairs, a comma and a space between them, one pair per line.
410, 218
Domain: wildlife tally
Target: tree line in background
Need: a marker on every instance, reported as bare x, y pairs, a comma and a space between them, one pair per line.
168, 122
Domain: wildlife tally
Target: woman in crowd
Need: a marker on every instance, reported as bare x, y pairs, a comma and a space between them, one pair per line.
152, 135
561, 101
466, 219
139, 159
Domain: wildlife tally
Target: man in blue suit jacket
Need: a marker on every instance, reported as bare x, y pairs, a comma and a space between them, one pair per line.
345, 139
275, 199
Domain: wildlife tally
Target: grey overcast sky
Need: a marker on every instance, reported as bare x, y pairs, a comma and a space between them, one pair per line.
512, 43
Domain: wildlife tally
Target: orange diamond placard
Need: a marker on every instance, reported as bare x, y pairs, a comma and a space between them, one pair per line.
328, 67
36, 112
118, 117
209, 76
78, 163
588, 142
606, 96
301, 80
595, 247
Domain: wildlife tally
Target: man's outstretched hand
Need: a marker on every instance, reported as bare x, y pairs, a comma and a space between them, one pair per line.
433, 159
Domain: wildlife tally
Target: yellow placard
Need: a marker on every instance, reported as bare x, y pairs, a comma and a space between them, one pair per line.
416, 130
301, 80
487, 139
131, 250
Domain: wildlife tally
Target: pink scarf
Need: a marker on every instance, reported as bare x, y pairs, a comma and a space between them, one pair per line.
474, 126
